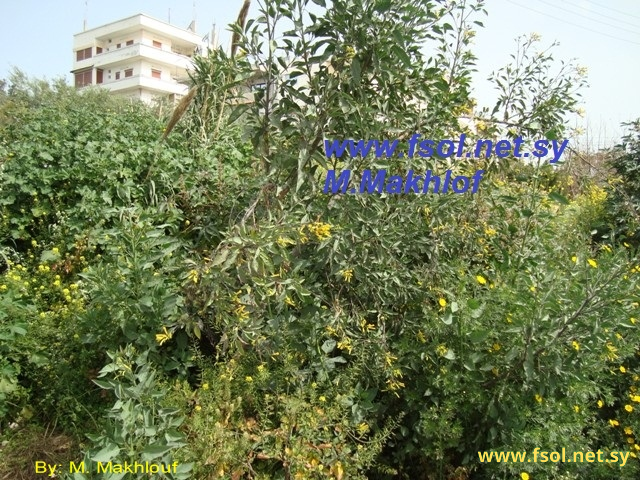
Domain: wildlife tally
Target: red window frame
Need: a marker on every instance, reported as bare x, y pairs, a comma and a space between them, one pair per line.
83, 54
84, 78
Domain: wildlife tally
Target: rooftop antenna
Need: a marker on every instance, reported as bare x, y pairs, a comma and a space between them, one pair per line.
169, 19
214, 36
192, 25
86, 11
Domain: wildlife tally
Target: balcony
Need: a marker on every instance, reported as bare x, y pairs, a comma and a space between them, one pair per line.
145, 82
138, 50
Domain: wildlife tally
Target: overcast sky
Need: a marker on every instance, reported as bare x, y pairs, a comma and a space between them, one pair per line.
603, 35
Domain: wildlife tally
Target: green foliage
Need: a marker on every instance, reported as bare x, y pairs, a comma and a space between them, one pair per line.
534, 96
624, 193
135, 292
252, 420
12, 311
69, 158
138, 429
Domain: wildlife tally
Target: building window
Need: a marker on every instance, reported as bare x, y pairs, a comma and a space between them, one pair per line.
129, 43
128, 72
83, 54
98, 50
117, 75
99, 76
83, 78
259, 87
156, 73
157, 44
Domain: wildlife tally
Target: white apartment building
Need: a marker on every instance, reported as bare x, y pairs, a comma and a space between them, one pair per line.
137, 57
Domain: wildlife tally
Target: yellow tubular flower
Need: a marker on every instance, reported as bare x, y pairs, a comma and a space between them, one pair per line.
161, 338
347, 275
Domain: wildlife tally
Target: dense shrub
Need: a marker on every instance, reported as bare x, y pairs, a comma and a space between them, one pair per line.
624, 193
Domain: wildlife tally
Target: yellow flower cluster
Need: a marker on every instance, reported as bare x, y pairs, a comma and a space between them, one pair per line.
284, 241
365, 326
394, 385
321, 231
239, 309
163, 336
363, 428
350, 52
193, 276
389, 359
597, 195
241, 312
611, 352
347, 275
302, 236
345, 344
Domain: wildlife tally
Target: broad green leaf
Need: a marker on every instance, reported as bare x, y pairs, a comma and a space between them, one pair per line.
155, 450
328, 346
558, 198
478, 336
106, 454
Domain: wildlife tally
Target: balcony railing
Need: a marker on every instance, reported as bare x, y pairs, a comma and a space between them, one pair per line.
114, 55
146, 81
